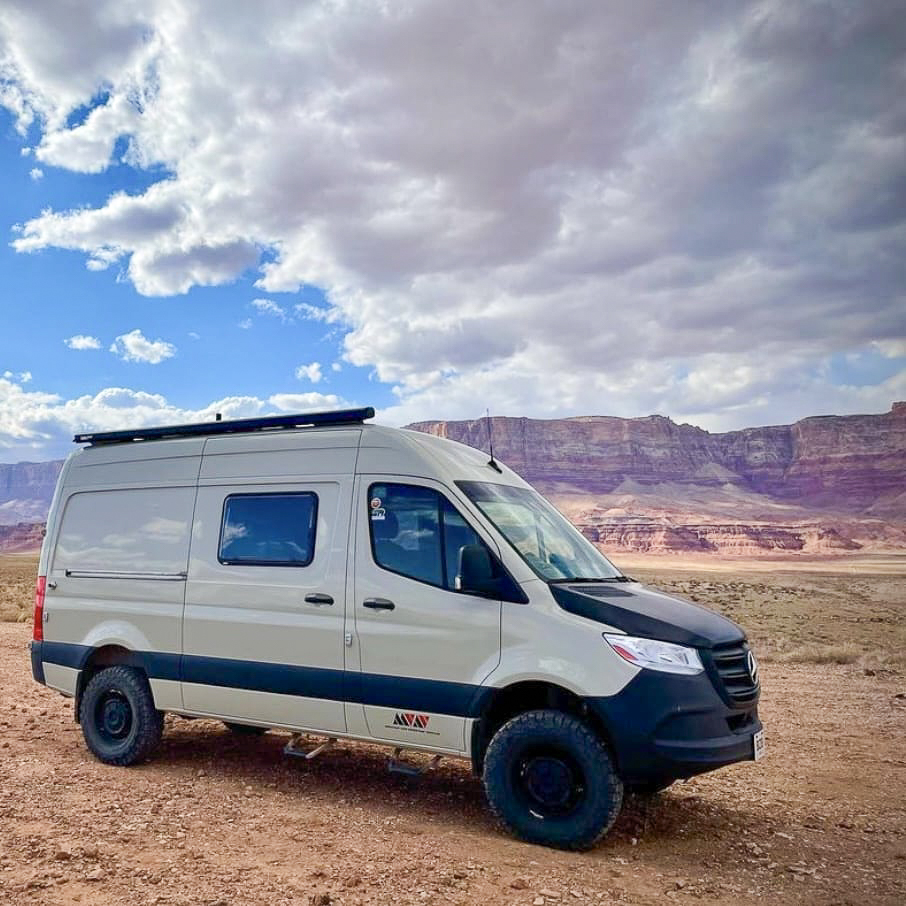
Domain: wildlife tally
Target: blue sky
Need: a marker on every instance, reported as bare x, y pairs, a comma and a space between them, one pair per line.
544, 209
217, 332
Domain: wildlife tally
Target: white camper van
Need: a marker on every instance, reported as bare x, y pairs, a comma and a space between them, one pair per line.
324, 576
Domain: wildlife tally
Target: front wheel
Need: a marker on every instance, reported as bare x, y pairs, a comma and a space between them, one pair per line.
551, 780
119, 721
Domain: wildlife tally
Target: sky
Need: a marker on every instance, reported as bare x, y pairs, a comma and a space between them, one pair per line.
436, 208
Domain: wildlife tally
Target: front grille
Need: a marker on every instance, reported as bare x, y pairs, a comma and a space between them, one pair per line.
731, 670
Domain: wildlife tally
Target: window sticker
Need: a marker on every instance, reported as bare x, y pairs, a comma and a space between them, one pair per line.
377, 510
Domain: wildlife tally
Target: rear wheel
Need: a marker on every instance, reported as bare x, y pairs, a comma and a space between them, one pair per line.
551, 780
244, 729
119, 721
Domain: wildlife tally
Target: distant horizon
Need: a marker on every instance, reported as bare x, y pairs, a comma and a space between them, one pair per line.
480, 418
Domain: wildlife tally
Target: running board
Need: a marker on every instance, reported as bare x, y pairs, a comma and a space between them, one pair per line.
292, 747
397, 766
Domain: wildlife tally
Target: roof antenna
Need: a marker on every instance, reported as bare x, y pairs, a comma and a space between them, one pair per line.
491, 462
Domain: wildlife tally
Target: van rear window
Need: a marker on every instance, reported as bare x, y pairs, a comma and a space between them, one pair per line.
133, 529
268, 529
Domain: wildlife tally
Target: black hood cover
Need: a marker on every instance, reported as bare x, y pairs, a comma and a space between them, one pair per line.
641, 611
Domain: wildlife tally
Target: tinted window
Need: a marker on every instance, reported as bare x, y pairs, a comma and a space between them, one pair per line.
126, 530
416, 532
269, 529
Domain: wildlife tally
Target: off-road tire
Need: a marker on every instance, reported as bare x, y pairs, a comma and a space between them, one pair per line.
120, 724
521, 759
244, 729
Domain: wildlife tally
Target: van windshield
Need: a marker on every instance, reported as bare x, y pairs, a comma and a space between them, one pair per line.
543, 537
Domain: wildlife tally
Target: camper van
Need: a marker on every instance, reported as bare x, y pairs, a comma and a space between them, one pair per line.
322, 576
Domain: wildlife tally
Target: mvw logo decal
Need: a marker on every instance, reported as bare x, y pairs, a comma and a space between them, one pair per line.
411, 721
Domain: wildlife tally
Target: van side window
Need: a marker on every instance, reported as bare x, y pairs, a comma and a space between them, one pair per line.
417, 532
268, 529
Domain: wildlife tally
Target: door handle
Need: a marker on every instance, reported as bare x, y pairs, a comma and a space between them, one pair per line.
319, 599
378, 604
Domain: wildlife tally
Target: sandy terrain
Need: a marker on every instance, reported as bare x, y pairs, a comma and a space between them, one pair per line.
216, 820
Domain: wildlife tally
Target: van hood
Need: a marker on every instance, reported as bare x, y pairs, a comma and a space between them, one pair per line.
641, 611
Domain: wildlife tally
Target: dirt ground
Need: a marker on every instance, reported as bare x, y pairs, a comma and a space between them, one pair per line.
218, 820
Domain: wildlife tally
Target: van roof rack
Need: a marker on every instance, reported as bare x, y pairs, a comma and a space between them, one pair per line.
236, 426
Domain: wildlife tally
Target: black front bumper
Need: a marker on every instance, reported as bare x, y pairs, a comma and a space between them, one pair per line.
664, 727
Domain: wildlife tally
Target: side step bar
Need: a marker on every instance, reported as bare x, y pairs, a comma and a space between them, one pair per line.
395, 764
293, 747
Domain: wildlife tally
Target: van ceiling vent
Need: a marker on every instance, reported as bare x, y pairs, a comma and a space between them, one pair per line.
236, 426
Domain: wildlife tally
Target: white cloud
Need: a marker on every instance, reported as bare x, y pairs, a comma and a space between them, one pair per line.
36, 173
318, 313
81, 341
194, 336
136, 347
41, 425
23, 377
88, 147
891, 349
336, 366
269, 307
245, 323
613, 207
310, 372
306, 402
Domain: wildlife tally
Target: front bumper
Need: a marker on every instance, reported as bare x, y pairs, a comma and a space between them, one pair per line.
664, 727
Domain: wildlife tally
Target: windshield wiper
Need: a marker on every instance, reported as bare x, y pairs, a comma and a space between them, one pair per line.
589, 579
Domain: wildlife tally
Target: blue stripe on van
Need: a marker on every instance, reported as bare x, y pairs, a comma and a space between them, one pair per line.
435, 696
64, 654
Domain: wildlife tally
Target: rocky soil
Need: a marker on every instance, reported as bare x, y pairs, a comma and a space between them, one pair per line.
214, 819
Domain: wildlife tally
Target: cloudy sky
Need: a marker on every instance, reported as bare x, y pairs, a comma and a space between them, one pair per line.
545, 208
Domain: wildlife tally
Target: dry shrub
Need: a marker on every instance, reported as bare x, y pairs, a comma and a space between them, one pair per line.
771, 650
821, 654
11, 613
886, 661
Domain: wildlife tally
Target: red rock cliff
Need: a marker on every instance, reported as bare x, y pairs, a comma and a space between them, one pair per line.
822, 485
849, 462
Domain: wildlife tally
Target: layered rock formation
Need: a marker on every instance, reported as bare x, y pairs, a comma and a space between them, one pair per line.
26, 489
823, 484
24, 536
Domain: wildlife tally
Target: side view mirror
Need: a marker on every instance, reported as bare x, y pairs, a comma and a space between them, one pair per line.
476, 572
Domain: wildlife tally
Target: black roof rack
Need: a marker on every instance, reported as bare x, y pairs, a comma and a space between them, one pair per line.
237, 426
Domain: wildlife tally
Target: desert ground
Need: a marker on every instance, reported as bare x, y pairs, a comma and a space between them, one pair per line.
218, 820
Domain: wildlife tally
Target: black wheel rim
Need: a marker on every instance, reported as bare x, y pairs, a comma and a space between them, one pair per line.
550, 782
113, 717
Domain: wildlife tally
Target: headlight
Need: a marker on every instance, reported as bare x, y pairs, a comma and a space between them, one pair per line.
663, 656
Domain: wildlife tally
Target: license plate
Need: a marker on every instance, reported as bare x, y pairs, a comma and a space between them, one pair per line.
758, 743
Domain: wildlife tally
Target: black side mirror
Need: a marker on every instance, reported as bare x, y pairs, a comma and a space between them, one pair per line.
476, 572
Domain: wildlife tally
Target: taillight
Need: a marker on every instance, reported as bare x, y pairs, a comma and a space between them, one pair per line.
40, 586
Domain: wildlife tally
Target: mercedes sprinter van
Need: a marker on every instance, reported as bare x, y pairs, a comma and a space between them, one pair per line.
325, 576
